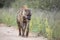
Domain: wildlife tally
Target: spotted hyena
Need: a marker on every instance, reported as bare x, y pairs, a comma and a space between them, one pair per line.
23, 19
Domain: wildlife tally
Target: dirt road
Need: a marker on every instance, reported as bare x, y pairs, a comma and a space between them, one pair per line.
10, 33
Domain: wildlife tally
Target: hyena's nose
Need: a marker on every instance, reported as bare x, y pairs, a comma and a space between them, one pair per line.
25, 16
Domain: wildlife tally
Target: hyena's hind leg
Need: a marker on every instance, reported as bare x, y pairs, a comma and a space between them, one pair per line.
19, 27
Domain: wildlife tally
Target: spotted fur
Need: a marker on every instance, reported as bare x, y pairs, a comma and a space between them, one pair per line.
23, 19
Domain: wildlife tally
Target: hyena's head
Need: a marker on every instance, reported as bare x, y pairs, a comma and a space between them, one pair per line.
24, 8
25, 11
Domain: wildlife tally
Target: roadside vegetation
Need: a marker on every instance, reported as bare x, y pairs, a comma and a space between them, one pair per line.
45, 19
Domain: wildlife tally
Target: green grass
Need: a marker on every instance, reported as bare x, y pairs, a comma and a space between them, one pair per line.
38, 24
7, 17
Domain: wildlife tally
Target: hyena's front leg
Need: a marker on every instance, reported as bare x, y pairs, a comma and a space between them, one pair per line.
27, 31
23, 29
19, 31
19, 27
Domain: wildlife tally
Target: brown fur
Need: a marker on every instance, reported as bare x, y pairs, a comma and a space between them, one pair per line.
23, 24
